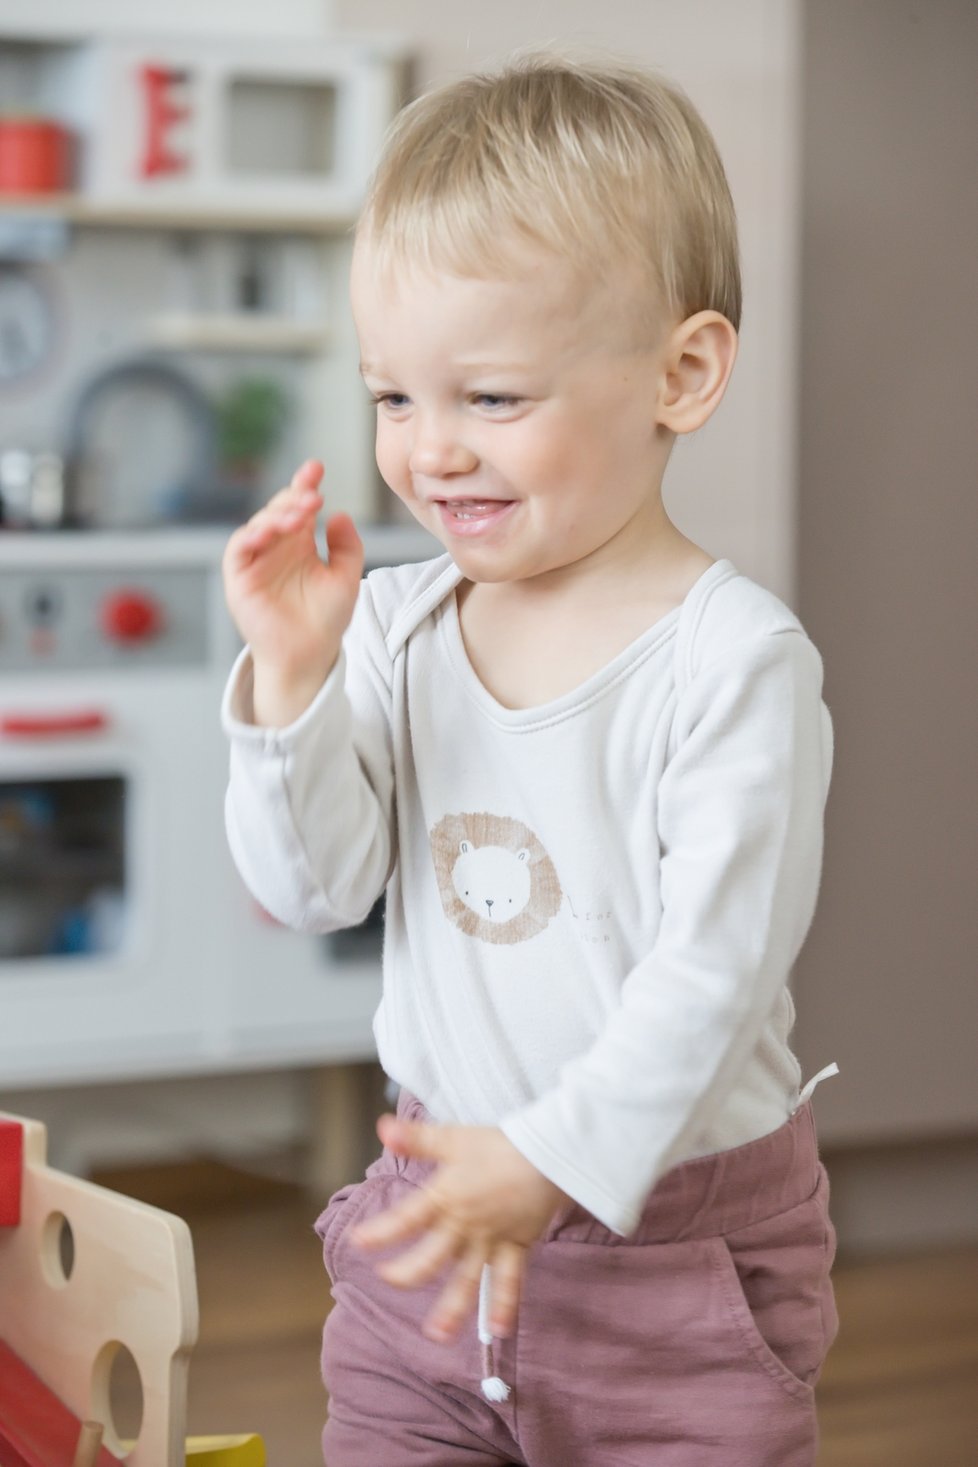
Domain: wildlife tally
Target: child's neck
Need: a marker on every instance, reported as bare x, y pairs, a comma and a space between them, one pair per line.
532, 641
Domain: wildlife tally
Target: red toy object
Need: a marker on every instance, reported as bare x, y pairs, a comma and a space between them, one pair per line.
36, 1430
161, 114
11, 1172
35, 156
130, 616
53, 725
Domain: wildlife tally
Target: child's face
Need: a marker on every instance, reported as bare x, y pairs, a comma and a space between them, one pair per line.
516, 417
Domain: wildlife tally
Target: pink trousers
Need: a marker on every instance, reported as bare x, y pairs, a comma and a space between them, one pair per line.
695, 1342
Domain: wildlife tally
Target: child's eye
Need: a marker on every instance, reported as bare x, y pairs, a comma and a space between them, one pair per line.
393, 401
493, 401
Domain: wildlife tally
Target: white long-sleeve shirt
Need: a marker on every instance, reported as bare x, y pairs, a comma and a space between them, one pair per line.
593, 905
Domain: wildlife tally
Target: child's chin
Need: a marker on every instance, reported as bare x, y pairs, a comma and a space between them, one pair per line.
487, 569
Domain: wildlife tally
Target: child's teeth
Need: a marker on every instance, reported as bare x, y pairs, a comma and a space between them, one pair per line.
472, 509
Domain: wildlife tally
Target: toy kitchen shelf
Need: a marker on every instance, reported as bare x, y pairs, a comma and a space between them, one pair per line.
174, 213
192, 331
204, 132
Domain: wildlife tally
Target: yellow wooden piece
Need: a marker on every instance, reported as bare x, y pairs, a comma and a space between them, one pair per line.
225, 1451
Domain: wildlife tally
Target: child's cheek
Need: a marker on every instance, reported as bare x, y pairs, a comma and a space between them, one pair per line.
392, 463
545, 460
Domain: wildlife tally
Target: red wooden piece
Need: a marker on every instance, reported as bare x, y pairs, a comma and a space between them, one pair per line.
8, 1456
36, 1429
11, 1172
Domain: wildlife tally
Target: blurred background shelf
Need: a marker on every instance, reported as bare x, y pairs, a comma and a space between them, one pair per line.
189, 331
78, 208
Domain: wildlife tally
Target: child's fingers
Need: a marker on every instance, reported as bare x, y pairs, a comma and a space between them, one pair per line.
459, 1297
291, 509
281, 516
289, 501
508, 1262
301, 496
398, 1223
307, 475
243, 546
344, 546
425, 1261
413, 1138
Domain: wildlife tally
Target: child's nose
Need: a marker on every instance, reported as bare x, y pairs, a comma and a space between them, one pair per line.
437, 450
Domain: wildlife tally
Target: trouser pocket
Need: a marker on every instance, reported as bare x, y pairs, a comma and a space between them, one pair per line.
331, 1219
776, 1283
343, 1208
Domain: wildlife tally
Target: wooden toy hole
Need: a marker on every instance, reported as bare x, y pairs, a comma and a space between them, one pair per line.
57, 1250
117, 1396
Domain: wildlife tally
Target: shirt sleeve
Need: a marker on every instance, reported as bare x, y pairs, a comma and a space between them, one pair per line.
740, 833
309, 810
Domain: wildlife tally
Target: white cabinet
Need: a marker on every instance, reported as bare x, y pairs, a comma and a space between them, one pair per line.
254, 132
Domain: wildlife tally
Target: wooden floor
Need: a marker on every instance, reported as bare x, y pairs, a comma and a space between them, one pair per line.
900, 1388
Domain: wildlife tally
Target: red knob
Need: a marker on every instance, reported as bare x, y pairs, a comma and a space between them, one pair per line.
131, 616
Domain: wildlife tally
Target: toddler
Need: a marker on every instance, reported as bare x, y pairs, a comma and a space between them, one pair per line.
588, 763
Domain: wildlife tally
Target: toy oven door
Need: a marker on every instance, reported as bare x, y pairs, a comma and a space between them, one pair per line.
66, 821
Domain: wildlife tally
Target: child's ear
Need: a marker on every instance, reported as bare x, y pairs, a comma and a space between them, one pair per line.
697, 361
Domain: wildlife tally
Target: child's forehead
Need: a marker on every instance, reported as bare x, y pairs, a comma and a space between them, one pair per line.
513, 262
527, 300
503, 319
520, 277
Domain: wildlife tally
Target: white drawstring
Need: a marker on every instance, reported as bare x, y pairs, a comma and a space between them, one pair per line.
493, 1388
806, 1094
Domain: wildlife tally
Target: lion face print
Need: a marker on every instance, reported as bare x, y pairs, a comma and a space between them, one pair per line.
495, 879
479, 871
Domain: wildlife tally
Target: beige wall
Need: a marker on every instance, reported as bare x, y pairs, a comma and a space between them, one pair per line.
888, 531
731, 487
232, 17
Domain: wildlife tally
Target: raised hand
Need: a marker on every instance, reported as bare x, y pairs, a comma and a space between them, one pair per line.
289, 605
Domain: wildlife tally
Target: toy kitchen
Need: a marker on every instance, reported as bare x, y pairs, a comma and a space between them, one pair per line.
174, 240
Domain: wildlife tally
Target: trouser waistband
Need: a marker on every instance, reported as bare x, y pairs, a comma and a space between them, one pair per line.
701, 1198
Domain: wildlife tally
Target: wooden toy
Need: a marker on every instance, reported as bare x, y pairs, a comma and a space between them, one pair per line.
36, 1428
89, 1445
127, 1280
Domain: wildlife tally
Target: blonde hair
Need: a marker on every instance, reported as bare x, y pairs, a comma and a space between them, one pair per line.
604, 165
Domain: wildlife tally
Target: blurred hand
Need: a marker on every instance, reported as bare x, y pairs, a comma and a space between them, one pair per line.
288, 604
484, 1203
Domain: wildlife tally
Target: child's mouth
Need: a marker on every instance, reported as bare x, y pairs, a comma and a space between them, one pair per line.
472, 516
